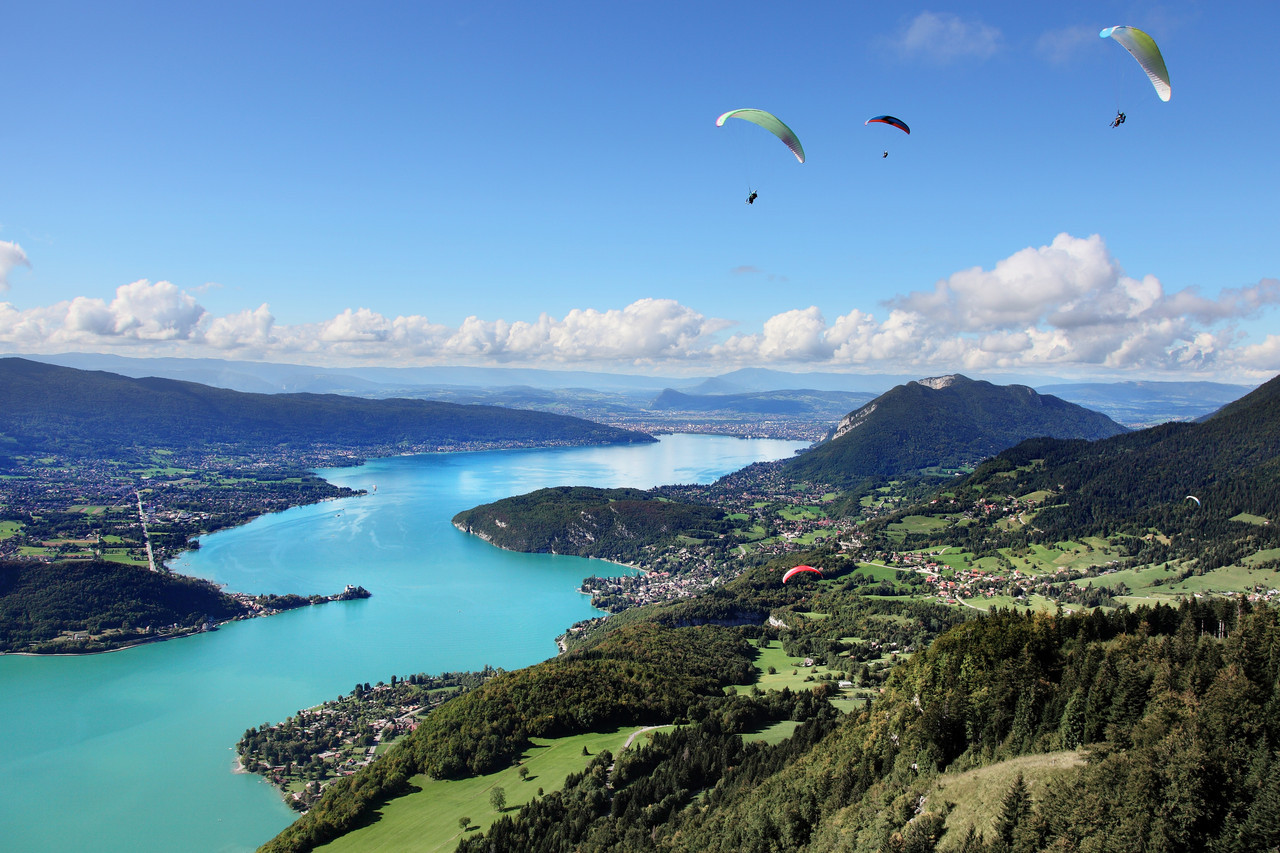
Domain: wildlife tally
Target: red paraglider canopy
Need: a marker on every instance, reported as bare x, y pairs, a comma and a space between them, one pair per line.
792, 572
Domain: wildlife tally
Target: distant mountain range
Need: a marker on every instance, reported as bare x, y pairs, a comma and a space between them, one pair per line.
799, 402
1139, 404
44, 408
941, 423
598, 395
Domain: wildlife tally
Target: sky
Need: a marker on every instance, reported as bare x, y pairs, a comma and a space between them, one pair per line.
544, 185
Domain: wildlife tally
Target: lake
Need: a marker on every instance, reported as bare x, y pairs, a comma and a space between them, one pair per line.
134, 750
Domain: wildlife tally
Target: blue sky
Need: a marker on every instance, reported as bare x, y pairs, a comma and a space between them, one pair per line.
544, 185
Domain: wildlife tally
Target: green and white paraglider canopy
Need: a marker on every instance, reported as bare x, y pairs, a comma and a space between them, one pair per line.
1143, 48
769, 122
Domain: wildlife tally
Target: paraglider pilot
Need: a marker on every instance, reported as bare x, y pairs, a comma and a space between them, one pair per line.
1118, 120
751, 199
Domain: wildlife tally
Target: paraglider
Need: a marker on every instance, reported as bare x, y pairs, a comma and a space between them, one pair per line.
1193, 498
892, 122
793, 572
1118, 120
1142, 47
751, 199
769, 122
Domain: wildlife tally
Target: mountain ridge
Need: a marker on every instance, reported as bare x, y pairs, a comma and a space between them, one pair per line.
942, 422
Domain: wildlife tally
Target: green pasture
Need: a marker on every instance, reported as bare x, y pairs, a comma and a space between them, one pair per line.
1249, 518
801, 513
1036, 602
773, 733
121, 556
954, 558
10, 528
878, 572
788, 670
979, 793
426, 820
919, 524
813, 616
1226, 580
1262, 556
812, 537
1134, 579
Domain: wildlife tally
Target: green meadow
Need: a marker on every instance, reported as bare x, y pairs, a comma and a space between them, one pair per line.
427, 820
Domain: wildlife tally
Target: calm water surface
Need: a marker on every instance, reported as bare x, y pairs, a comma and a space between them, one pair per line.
133, 750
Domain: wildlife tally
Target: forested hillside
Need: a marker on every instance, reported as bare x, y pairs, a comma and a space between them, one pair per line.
941, 424
39, 601
1170, 710
45, 408
1138, 485
589, 522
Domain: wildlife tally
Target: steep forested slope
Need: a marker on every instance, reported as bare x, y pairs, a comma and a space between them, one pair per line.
1176, 722
1137, 484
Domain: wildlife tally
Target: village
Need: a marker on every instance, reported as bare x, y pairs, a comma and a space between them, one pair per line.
304, 753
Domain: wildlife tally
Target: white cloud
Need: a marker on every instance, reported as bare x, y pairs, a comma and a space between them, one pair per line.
157, 311
1067, 306
1061, 46
11, 255
944, 37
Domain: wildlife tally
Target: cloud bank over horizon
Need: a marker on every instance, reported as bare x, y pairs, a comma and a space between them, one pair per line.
1066, 307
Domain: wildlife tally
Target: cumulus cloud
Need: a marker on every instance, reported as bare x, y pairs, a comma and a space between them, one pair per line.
944, 37
1068, 306
11, 255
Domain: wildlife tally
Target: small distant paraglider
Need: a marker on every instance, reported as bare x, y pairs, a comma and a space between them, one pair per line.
892, 122
1193, 498
797, 570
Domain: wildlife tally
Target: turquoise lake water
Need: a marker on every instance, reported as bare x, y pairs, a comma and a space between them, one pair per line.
134, 750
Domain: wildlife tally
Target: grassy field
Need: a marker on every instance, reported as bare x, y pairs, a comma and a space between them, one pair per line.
878, 572
788, 672
9, 528
427, 819
978, 793
773, 733
1037, 602
919, 524
800, 513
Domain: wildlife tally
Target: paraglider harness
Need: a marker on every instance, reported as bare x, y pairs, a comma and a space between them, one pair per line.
751, 199
1118, 120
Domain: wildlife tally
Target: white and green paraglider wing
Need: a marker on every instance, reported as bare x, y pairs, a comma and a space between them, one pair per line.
769, 122
1143, 48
